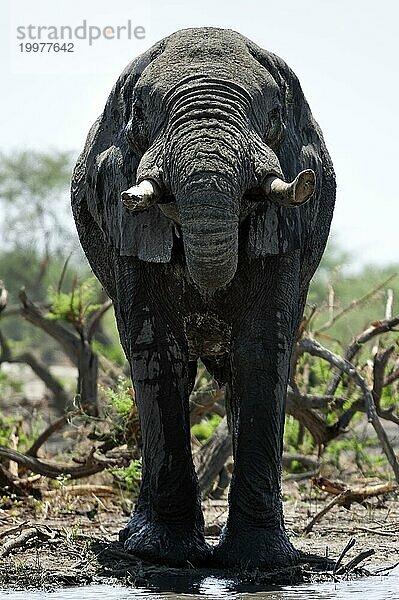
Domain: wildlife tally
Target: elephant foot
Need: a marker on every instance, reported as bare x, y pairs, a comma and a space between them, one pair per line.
246, 547
165, 543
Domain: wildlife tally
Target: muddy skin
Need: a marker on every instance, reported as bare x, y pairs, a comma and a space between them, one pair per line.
206, 265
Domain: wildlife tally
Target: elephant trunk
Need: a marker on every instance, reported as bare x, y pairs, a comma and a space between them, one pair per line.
210, 235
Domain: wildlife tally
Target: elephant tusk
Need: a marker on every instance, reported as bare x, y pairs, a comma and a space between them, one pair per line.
290, 194
140, 197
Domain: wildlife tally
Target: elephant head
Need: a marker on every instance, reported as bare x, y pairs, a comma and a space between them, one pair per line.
195, 139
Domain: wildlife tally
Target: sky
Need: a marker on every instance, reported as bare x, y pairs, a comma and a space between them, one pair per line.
344, 52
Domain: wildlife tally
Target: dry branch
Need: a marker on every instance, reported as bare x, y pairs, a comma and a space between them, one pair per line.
324, 511
79, 490
314, 348
211, 458
202, 402
48, 432
95, 319
356, 494
380, 363
89, 467
41, 532
75, 345
376, 328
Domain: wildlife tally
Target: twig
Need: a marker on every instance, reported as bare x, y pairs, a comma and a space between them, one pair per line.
300, 476
63, 273
376, 328
377, 531
355, 562
348, 547
354, 304
96, 317
324, 511
384, 569
389, 304
380, 363
12, 530
391, 377
47, 433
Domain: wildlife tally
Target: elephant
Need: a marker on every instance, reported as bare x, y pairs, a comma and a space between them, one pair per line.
203, 200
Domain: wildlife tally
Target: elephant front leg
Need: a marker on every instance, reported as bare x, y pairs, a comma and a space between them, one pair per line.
167, 525
254, 535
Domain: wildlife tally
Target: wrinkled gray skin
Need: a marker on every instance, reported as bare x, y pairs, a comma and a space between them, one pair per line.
214, 271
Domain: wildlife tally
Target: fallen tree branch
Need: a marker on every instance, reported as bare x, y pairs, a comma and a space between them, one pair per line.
79, 490
355, 494
306, 461
344, 552
89, 467
41, 532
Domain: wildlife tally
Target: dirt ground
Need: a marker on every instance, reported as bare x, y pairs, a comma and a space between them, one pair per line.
70, 537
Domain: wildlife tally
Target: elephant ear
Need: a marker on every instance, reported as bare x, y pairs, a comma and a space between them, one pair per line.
106, 167
275, 229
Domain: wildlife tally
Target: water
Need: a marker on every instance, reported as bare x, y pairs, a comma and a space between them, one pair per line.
211, 588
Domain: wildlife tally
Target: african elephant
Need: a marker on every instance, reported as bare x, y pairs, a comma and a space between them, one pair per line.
203, 200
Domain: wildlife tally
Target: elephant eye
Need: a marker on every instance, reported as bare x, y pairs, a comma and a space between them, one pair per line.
136, 130
275, 129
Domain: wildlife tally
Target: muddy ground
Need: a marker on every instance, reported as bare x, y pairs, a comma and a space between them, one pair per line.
71, 538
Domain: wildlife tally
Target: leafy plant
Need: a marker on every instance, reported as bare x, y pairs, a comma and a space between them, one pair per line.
129, 477
204, 429
76, 306
121, 398
13, 425
8, 383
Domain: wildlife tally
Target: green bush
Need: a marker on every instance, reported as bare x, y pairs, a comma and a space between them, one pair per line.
206, 427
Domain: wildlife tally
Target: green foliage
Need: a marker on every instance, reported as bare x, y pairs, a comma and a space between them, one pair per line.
38, 233
8, 426
8, 384
357, 450
114, 352
120, 398
72, 533
129, 477
76, 306
291, 434
206, 427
